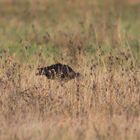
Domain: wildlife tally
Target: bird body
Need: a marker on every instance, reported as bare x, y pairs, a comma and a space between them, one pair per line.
58, 71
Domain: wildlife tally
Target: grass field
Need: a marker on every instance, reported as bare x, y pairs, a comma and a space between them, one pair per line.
100, 39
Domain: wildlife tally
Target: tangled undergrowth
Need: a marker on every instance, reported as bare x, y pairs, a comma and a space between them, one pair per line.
104, 103
102, 43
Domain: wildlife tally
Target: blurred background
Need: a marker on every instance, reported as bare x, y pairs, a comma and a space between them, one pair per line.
50, 26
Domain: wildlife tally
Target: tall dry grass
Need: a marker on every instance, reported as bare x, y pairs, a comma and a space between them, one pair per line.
103, 104
95, 39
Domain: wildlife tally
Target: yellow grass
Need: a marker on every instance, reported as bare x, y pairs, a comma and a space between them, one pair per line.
104, 104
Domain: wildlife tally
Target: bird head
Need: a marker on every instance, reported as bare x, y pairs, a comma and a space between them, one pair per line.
78, 74
74, 75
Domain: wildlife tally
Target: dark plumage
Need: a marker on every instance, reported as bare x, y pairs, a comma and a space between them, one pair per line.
58, 71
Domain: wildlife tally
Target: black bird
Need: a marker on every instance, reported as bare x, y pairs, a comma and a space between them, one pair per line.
58, 71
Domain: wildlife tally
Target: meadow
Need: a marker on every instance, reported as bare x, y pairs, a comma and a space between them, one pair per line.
100, 39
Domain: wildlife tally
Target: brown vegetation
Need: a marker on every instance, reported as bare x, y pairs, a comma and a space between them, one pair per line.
100, 41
